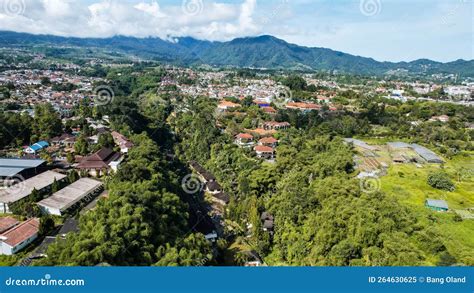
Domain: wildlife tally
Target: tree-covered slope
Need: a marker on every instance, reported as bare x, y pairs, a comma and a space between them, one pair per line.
259, 52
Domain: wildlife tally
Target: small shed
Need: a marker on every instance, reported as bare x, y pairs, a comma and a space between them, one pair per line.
437, 205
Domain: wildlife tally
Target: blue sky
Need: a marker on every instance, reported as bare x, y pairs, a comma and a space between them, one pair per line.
391, 30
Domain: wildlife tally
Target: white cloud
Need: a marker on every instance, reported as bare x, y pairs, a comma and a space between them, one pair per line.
403, 30
153, 9
105, 18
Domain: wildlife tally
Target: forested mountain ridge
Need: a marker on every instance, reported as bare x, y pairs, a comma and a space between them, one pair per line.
258, 52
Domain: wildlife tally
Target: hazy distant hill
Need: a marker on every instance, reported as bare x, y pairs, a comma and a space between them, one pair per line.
259, 52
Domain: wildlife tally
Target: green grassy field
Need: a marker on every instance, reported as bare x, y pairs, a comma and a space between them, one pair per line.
408, 184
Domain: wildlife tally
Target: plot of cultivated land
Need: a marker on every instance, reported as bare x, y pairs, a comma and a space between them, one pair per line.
409, 184
373, 160
466, 214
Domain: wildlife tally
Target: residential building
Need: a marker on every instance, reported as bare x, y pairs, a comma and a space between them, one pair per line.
19, 236
226, 105
100, 163
268, 141
65, 140
270, 110
265, 152
122, 142
213, 187
37, 147
204, 175
244, 140
303, 106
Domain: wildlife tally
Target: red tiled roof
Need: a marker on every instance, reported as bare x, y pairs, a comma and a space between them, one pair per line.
22, 232
269, 110
227, 104
244, 136
7, 223
263, 149
309, 106
268, 140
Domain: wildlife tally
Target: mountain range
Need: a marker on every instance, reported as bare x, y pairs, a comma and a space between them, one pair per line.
251, 52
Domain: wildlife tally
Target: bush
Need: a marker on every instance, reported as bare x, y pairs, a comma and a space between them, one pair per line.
440, 180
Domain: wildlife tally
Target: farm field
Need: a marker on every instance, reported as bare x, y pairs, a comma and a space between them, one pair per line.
408, 183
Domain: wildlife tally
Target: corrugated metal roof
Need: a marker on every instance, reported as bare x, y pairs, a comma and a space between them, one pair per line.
20, 163
426, 154
437, 203
68, 196
11, 167
360, 143
398, 145
23, 189
10, 171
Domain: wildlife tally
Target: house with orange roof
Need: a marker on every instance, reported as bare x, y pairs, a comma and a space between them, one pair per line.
265, 152
226, 105
18, 237
269, 110
6, 223
268, 141
303, 106
244, 140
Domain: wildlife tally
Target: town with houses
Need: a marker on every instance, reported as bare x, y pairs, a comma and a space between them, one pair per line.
64, 176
